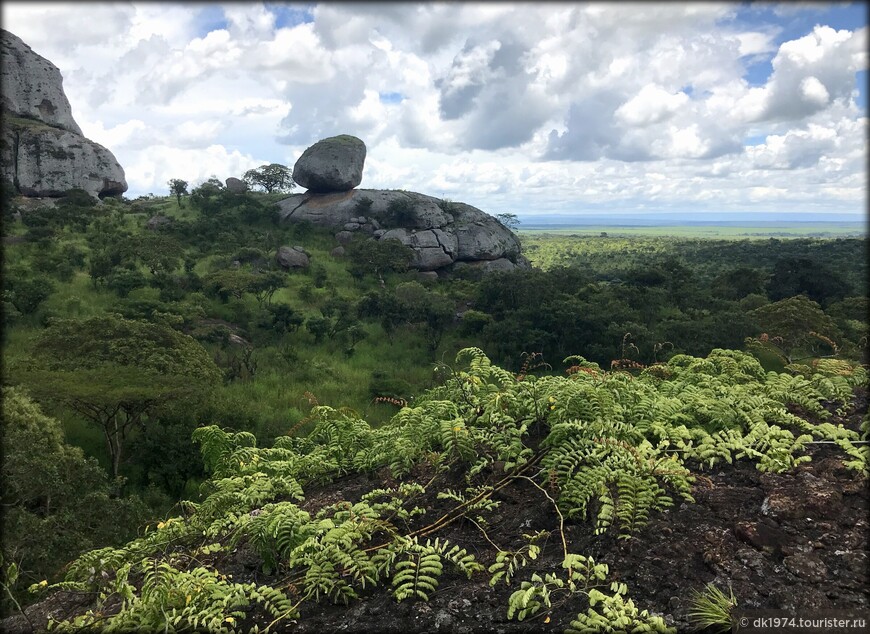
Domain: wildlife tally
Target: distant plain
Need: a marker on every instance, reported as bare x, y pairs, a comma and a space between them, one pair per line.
758, 230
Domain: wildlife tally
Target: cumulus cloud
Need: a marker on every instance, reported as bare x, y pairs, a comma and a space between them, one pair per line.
652, 104
808, 73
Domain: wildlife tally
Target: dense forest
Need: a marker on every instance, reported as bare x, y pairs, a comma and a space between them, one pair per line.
162, 369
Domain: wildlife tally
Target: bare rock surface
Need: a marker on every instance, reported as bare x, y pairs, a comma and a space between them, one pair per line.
42, 149
33, 86
292, 258
331, 165
438, 232
236, 185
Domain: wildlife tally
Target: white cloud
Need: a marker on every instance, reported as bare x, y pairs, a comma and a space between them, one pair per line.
652, 104
155, 165
814, 91
755, 42
808, 73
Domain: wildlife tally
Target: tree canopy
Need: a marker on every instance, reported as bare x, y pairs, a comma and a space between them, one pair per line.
177, 188
51, 495
118, 373
270, 178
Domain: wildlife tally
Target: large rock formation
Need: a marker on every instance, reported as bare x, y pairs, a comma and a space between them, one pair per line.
440, 233
331, 165
42, 150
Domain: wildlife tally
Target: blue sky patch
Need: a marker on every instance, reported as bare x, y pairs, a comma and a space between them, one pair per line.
391, 97
756, 139
758, 72
288, 16
210, 18
793, 22
861, 85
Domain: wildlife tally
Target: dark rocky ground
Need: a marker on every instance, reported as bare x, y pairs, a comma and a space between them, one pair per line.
792, 541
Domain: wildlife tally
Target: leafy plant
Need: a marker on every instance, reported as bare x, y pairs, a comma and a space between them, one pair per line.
615, 613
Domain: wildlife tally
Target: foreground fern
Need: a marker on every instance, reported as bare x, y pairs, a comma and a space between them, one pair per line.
173, 600
614, 449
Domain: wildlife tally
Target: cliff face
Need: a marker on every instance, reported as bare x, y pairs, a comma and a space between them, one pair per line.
42, 149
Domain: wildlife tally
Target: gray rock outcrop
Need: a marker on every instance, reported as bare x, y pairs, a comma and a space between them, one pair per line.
158, 222
33, 86
42, 150
292, 258
331, 165
439, 233
236, 185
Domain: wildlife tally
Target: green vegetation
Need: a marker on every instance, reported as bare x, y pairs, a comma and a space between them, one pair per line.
55, 499
713, 609
618, 447
749, 231
146, 343
270, 178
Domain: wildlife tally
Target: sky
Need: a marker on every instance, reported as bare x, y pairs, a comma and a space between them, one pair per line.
527, 108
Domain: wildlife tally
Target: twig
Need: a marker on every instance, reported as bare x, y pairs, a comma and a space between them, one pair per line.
561, 518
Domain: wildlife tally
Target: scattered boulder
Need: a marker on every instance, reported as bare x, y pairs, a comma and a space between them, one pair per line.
337, 252
236, 185
238, 341
331, 165
43, 152
292, 258
344, 237
157, 222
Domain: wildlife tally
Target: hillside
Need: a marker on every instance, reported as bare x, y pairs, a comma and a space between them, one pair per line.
313, 429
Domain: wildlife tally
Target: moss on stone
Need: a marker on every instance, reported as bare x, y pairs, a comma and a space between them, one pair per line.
343, 139
13, 122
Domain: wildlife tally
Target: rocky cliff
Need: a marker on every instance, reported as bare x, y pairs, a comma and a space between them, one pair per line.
441, 234
42, 149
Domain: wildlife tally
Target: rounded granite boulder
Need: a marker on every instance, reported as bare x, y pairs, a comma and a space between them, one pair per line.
334, 164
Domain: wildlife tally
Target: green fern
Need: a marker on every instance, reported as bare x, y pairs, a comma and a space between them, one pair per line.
174, 600
418, 566
615, 613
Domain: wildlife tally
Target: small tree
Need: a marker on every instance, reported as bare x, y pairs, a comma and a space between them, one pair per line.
27, 293
377, 257
159, 252
208, 197
56, 502
264, 285
117, 373
509, 220
285, 319
795, 328
178, 188
271, 178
